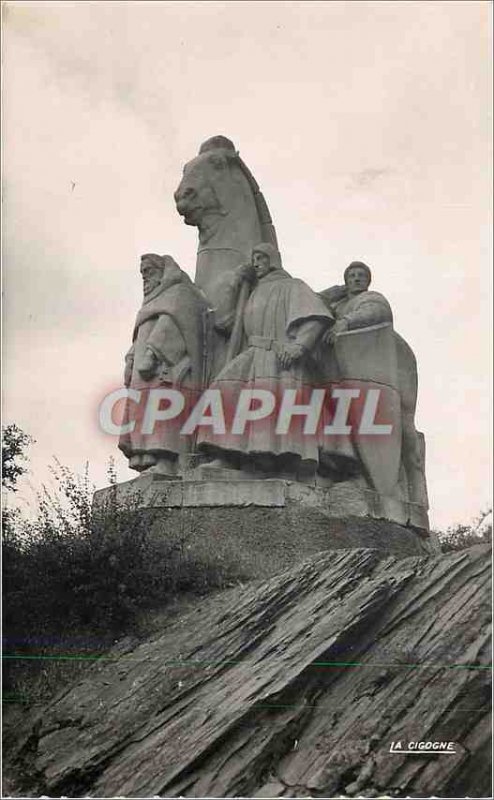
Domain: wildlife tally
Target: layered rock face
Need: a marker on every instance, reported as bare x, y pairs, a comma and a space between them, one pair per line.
294, 687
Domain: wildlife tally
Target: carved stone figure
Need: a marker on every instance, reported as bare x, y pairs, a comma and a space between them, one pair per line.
280, 323
275, 380
354, 305
167, 351
364, 350
219, 196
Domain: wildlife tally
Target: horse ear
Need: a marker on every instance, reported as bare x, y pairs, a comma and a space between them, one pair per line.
218, 161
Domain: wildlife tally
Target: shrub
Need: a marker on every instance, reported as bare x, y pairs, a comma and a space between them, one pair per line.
459, 537
14, 443
80, 574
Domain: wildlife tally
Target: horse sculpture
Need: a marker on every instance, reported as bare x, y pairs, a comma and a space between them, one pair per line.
219, 195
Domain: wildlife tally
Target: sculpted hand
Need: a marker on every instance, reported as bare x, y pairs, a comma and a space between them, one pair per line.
245, 272
341, 325
147, 365
290, 353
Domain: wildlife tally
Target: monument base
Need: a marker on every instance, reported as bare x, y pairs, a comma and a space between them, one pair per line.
266, 526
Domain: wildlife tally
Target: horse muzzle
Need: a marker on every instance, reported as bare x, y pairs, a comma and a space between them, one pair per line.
192, 214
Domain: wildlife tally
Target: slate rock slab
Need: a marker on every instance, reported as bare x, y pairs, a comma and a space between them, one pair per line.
294, 687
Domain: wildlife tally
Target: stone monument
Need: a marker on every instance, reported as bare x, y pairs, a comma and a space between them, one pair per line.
219, 196
268, 419
167, 350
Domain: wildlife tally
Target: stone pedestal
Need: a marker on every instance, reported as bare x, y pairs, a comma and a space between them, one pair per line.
266, 526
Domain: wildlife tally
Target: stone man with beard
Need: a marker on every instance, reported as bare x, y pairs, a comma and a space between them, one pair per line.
167, 351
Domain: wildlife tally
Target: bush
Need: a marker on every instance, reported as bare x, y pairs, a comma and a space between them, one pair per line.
79, 575
460, 536
14, 443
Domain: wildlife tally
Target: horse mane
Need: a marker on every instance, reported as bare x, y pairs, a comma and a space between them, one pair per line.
226, 147
268, 231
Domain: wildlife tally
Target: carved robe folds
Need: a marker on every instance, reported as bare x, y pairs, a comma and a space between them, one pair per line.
280, 309
168, 335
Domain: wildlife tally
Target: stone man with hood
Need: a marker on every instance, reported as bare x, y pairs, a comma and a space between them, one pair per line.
166, 352
281, 321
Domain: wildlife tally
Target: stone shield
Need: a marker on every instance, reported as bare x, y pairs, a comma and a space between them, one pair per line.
366, 359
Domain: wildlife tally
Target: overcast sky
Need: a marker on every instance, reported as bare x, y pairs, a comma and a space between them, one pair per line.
367, 126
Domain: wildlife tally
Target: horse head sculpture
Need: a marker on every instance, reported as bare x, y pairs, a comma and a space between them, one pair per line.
219, 196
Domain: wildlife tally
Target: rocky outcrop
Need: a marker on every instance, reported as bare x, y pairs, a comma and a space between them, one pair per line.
293, 687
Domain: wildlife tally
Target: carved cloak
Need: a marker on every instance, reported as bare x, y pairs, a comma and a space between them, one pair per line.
280, 309
170, 324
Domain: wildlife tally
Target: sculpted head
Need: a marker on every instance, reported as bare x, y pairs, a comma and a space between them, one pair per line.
265, 257
357, 277
202, 193
153, 268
